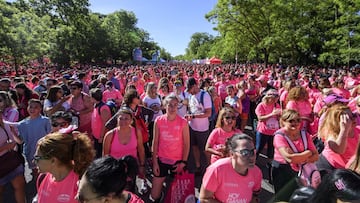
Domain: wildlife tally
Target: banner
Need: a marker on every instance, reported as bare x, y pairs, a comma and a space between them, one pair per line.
137, 54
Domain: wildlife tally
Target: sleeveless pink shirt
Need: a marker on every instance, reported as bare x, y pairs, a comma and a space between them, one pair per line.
118, 150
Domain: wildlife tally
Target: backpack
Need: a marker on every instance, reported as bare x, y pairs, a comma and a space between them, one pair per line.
308, 174
140, 124
213, 112
112, 106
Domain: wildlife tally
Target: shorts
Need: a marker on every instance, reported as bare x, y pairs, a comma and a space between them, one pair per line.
165, 169
198, 138
9, 177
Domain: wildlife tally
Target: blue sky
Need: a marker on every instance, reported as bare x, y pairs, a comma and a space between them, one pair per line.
169, 22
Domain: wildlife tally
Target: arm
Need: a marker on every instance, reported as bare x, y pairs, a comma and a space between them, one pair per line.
107, 142
207, 196
51, 110
105, 116
338, 144
7, 146
155, 147
140, 148
206, 114
295, 158
186, 137
89, 106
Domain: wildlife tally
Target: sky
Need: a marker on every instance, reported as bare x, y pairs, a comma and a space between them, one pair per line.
170, 23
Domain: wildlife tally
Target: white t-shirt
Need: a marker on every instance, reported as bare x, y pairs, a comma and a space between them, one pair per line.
154, 104
196, 107
48, 104
182, 109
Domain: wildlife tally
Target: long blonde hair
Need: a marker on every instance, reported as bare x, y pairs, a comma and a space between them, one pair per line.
330, 125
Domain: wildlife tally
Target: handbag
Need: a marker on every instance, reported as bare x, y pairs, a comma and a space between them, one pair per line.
12, 159
181, 190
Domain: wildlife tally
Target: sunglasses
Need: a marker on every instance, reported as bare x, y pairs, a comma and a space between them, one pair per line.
246, 152
230, 117
297, 120
358, 105
37, 158
55, 124
73, 88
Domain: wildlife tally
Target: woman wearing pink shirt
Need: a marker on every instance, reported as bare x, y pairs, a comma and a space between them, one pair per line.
224, 128
287, 161
298, 100
236, 178
341, 138
125, 139
171, 145
63, 158
268, 113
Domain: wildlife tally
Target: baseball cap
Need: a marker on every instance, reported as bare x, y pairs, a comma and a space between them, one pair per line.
332, 98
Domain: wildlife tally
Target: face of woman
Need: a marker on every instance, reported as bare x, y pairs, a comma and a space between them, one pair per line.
171, 107
244, 154
292, 124
20, 91
42, 162
59, 94
124, 120
136, 100
58, 124
229, 119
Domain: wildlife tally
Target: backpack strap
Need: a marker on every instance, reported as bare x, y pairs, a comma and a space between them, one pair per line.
112, 139
303, 137
202, 97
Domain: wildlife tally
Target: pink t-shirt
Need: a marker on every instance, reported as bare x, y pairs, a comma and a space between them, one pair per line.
118, 150
228, 185
270, 125
114, 94
221, 89
341, 92
96, 122
58, 192
280, 141
78, 104
340, 160
171, 139
218, 137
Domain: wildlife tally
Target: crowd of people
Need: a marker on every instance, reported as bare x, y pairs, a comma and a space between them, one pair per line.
88, 134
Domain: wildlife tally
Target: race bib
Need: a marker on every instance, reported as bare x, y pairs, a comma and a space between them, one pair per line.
272, 123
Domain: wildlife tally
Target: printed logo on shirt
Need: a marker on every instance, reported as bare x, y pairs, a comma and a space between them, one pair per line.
234, 198
251, 184
231, 184
63, 198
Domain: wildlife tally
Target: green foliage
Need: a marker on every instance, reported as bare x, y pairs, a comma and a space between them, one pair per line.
67, 32
301, 32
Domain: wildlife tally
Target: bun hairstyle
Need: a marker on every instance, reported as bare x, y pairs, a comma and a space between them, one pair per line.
108, 175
